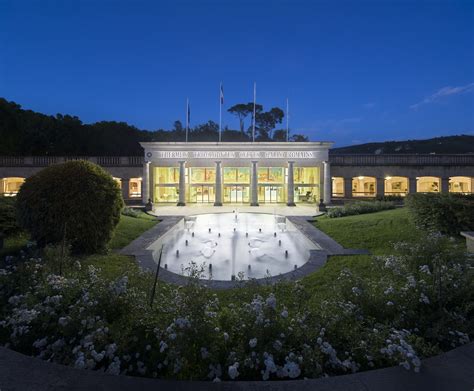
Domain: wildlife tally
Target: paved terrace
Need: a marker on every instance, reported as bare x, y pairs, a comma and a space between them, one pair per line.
451, 371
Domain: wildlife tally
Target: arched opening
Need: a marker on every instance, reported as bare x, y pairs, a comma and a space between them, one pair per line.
428, 184
460, 184
338, 187
364, 186
9, 187
135, 187
396, 185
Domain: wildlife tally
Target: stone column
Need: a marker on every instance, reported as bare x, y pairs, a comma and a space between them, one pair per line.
347, 187
146, 183
218, 191
254, 185
444, 185
182, 184
380, 187
290, 199
411, 185
327, 183
125, 188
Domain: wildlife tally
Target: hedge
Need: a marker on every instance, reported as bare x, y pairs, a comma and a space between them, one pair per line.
360, 207
77, 200
444, 213
8, 222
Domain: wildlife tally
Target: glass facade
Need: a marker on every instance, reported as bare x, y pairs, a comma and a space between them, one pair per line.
236, 194
200, 184
236, 175
270, 175
461, 184
203, 175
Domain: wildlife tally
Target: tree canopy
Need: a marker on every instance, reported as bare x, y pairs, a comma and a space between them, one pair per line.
25, 132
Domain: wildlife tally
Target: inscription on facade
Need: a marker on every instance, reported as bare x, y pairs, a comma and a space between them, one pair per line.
236, 154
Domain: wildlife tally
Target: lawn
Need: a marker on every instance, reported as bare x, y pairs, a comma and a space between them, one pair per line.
375, 232
130, 228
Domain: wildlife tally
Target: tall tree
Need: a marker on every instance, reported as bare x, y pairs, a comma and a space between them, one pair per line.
267, 121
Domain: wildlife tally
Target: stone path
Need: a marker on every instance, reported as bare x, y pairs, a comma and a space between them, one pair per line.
452, 371
317, 258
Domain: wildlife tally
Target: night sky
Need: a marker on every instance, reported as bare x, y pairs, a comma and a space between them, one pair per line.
354, 71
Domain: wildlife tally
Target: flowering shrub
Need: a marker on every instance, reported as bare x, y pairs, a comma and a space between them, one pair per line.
360, 207
417, 304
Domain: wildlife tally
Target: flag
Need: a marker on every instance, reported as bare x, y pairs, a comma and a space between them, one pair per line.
222, 94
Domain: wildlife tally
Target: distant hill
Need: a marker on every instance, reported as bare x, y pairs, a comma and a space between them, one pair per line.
438, 145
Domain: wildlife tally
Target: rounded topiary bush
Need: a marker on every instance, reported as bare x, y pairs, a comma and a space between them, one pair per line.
77, 200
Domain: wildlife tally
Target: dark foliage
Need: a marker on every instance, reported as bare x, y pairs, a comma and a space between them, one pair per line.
444, 213
8, 222
78, 201
449, 144
25, 132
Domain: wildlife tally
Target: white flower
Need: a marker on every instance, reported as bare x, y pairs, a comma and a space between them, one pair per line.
284, 314
390, 303
163, 346
291, 369
63, 321
233, 370
271, 301
424, 299
226, 337
356, 291
253, 342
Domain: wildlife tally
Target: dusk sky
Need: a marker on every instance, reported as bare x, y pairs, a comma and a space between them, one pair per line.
353, 71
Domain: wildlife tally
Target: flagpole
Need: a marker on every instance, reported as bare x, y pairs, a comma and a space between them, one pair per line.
187, 118
287, 121
220, 111
254, 103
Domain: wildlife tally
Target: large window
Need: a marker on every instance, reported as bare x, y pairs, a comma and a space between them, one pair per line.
236, 194
338, 187
308, 194
166, 175
135, 187
164, 194
202, 194
396, 185
203, 175
270, 175
460, 184
236, 175
363, 186
270, 194
10, 186
306, 175
428, 184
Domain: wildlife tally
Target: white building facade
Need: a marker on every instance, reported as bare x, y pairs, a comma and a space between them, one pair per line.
236, 173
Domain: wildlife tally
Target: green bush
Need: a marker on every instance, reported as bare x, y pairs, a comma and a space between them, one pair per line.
8, 222
395, 198
77, 200
444, 213
360, 207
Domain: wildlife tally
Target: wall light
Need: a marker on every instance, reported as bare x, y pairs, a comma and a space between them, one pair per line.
360, 177
388, 178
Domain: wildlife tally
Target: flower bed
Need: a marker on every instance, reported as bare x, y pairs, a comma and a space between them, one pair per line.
413, 305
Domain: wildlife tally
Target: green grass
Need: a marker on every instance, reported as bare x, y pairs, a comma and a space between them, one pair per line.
375, 232
13, 244
130, 228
